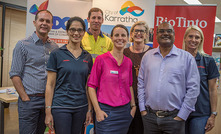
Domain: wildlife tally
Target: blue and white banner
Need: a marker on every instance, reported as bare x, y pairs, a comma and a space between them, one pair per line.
62, 10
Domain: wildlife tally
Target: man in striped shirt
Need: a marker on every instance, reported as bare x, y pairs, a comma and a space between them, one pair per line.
28, 74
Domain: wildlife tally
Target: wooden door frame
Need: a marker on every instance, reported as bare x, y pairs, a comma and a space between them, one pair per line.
4, 6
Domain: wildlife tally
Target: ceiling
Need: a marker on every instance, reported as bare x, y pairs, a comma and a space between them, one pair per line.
179, 2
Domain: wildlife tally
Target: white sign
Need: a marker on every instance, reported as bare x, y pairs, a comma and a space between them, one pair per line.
125, 12
62, 10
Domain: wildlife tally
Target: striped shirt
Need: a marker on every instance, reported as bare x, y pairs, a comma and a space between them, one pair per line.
30, 57
168, 83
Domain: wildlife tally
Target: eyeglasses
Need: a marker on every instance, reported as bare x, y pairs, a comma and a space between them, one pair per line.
136, 31
73, 30
169, 31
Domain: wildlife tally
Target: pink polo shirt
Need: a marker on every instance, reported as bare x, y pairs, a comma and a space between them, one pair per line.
113, 82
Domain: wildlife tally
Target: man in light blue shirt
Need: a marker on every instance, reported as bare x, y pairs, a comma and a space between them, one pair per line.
168, 85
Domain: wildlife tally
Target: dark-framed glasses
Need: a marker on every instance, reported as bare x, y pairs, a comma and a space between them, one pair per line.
169, 31
136, 31
73, 30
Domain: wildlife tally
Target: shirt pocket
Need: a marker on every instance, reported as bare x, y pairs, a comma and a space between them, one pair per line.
175, 76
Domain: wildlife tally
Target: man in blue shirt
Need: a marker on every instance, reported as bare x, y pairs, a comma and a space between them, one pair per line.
28, 74
168, 85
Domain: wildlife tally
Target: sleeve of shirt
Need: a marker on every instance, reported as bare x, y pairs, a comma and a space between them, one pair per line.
52, 62
212, 69
192, 89
140, 86
95, 75
18, 60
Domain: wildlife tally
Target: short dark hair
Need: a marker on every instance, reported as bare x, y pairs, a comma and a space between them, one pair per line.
76, 18
121, 26
165, 23
94, 9
36, 16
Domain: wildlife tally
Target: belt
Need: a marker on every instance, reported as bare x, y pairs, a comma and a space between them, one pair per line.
161, 113
37, 95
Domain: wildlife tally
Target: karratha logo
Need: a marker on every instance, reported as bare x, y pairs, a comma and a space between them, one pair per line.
129, 7
34, 8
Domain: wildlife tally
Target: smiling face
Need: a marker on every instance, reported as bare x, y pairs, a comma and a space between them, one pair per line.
43, 23
119, 38
192, 40
165, 35
75, 32
139, 34
95, 20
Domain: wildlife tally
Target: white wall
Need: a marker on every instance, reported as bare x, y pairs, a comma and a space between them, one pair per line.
217, 28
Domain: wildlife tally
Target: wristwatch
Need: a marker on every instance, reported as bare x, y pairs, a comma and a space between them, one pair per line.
214, 113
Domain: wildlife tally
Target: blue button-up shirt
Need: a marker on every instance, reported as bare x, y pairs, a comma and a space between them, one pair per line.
168, 83
30, 57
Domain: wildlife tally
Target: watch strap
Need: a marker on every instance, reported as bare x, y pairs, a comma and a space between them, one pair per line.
214, 113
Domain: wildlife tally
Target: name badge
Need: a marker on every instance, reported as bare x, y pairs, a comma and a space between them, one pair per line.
113, 72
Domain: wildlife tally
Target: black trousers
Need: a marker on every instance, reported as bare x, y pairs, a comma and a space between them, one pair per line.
162, 125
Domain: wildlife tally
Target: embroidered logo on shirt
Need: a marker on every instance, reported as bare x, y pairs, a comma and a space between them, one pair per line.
102, 48
85, 61
113, 72
66, 60
201, 67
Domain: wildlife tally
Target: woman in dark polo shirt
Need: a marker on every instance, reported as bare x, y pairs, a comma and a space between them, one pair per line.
66, 100
203, 118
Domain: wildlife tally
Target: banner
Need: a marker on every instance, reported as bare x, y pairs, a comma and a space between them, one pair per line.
115, 12
62, 11
181, 17
125, 12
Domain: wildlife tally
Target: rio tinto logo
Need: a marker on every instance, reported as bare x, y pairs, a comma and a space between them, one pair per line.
129, 7
34, 8
181, 22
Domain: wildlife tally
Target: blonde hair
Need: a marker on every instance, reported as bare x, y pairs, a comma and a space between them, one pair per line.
194, 27
143, 23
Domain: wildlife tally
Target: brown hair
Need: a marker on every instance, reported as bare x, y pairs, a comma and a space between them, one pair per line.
94, 9
36, 16
121, 26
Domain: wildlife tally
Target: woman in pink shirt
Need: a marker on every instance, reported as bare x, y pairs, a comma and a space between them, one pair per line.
111, 75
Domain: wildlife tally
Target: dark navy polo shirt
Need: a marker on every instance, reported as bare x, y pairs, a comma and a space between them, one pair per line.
208, 70
72, 74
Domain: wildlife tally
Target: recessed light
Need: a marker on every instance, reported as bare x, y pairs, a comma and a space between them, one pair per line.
193, 2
